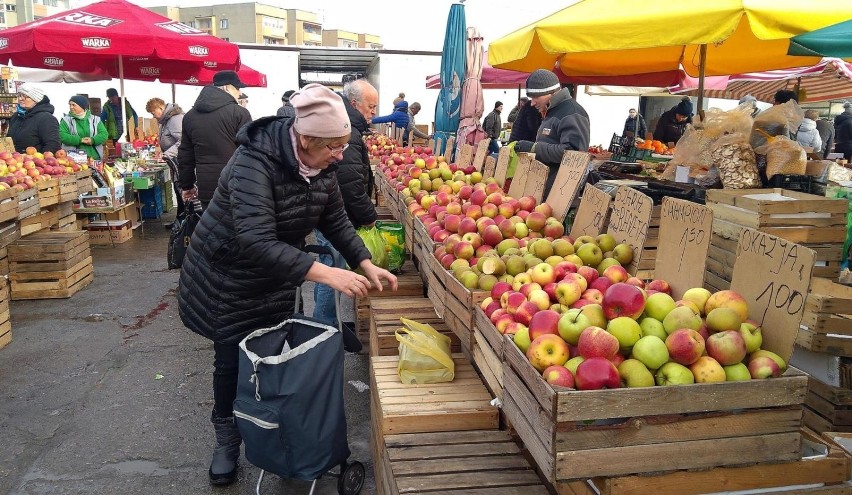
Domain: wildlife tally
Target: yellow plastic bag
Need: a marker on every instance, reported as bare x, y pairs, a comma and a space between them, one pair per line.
424, 354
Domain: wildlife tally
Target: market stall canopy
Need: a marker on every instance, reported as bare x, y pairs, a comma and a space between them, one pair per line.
831, 79
204, 77
97, 36
831, 41
26, 74
621, 37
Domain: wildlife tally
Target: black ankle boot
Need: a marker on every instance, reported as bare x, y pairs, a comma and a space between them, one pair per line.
223, 468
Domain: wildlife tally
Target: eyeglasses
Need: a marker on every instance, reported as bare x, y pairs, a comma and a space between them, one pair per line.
335, 151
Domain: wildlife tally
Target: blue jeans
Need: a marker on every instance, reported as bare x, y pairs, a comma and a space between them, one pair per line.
324, 295
493, 146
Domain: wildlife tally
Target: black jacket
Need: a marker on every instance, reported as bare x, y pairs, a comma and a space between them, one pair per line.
37, 127
491, 125
826, 135
244, 260
636, 125
668, 129
208, 140
564, 127
526, 124
353, 172
842, 132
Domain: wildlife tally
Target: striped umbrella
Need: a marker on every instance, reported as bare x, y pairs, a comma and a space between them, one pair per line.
830, 79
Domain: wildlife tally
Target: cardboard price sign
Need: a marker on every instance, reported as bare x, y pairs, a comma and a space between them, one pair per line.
465, 157
536, 177
502, 165
592, 214
571, 175
773, 275
481, 153
685, 231
519, 181
629, 220
488, 169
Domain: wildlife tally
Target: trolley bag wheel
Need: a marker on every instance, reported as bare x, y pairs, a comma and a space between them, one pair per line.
351, 478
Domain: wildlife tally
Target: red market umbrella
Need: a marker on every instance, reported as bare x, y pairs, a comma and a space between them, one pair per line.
204, 76
470, 130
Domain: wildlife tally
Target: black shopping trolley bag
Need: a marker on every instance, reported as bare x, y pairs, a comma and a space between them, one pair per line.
289, 406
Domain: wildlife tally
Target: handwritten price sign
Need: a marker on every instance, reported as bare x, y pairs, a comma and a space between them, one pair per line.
685, 231
628, 222
773, 275
593, 213
571, 175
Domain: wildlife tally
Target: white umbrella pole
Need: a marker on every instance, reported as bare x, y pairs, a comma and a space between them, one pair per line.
123, 104
702, 63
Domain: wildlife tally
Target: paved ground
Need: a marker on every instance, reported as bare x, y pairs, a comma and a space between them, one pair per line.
82, 407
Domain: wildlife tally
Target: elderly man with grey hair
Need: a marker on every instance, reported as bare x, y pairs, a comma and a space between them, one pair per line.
413, 110
808, 136
355, 181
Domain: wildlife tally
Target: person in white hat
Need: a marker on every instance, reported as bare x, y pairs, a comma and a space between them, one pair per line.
245, 259
33, 124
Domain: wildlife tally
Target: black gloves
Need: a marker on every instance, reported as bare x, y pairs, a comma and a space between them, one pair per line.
524, 146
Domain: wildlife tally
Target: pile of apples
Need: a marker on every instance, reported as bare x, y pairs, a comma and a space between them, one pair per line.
22, 171
379, 146
633, 335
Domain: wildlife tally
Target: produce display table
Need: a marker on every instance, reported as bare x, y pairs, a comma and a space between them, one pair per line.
409, 285
384, 321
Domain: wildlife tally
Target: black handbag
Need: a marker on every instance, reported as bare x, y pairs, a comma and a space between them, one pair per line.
181, 233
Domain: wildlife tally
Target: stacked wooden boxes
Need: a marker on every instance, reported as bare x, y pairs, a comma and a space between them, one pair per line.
824, 350
10, 229
461, 304
409, 285
384, 321
487, 352
5, 297
648, 259
50, 264
84, 181
813, 221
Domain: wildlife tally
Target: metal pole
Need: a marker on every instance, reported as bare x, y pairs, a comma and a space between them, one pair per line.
702, 63
123, 100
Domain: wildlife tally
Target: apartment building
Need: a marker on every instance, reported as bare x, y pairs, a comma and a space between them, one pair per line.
14, 12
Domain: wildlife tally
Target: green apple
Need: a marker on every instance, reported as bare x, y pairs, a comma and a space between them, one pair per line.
583, 239
561, 247
651, 351
606, 263
571, 325
736, 373
505, 245
626, 330
658, 305
595, 314
698, 296
752, 336
652, 326
769, 354
572, 363
623, 253
634, 374
606, 242
723, 319
591, 254
522, 339
681, 317
673, 373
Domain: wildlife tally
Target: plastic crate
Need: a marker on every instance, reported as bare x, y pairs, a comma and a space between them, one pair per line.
800, 183
152, 202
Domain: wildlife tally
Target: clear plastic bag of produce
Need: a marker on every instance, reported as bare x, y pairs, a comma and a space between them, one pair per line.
424, 354
733, 156
394, 236
780, 120
718, 123
376, 245
692, 149
783, 156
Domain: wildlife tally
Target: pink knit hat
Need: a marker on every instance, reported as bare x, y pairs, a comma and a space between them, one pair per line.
320, 112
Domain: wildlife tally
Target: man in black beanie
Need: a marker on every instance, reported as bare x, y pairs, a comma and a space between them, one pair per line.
673, 122
286, 109
565, 125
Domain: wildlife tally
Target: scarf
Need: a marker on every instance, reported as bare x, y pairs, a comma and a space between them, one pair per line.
305, 171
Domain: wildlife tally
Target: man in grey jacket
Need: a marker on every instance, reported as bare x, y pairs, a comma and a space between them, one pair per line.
492, 126
286, 109
565, 125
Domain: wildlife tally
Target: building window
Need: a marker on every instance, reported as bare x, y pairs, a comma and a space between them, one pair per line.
271, 41
272, 22
223, 24
10, 7
227, 39
2, 18
191, 24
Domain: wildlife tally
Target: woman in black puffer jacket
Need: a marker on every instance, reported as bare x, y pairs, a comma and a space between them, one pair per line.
245, 258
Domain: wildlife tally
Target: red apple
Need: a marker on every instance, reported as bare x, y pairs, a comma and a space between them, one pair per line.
558, 376
548, 350
500, 288
659, 286
596, 373
726, 347
685, 346
544, 322
597, 342
623, 300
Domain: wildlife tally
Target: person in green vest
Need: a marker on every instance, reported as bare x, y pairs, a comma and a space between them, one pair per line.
114, 119
79, 130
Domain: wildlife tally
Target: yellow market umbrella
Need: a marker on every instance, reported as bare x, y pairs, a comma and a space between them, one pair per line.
622, 37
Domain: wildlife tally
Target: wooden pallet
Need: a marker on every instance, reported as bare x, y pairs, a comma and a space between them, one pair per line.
409, 284
470, 462
49, 265
821, 463
384, 321
463, 404
583, 434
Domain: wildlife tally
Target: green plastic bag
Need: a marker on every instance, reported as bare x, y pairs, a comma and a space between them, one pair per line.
424, 354
394, 235
376, 245
513, 161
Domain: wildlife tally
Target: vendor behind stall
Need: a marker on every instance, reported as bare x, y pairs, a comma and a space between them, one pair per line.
672, 123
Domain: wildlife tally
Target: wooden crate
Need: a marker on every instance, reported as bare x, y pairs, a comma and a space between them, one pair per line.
409, 284
828, 408
828, 308
487, 352
4, 262
5, 322
485, 462
584, 434
27, 203
84, 181
9, 208
648, 258
384, 321
41, 220
463, 404
820, 463
48, 192
68, 190
9, 232
49, 265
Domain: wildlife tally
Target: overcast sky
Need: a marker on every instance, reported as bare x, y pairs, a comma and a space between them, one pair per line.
405, 24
